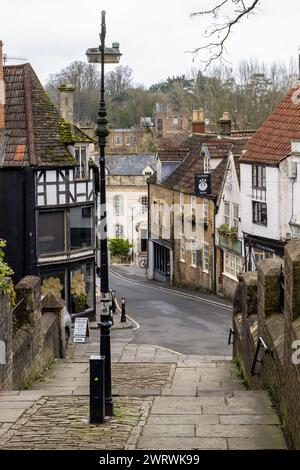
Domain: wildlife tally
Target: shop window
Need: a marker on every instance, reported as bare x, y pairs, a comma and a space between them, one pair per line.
260, 255
81, 227
53, 282
233, 265
51, 232
81, 288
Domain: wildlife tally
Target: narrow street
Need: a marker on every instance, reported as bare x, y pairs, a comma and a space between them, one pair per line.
186, 321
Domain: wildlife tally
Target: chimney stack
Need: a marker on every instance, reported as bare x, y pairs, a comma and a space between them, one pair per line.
198, 123
225, 124
2, 90
66, 101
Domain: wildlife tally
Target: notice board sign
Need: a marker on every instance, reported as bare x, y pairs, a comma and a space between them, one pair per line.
81, 330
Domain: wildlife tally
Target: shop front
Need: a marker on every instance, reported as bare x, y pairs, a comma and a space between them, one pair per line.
73, 282
258, 249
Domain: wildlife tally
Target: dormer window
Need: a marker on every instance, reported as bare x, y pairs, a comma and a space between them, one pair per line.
81, 171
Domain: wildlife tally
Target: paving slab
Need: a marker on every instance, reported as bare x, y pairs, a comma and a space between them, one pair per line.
163, 401
236, 410
23, 395
237, 430
188, 405
169, 430
11, 415
14, 405
249, 419
180, 391
183, 419
257, 443
182, 443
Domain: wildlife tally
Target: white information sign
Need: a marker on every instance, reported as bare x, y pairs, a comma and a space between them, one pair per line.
81, 330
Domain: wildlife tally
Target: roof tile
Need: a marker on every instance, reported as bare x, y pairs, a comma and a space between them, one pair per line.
272, 142
51, 134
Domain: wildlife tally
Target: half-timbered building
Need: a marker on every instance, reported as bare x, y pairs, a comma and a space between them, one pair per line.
47, 192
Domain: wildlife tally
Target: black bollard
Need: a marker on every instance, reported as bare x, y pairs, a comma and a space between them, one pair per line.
97, 390
123, 312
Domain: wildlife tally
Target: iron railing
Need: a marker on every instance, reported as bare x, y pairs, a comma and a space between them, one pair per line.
231, 333
267, 350
282, 287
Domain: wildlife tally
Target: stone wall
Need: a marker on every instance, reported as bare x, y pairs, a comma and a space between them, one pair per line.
33, 334
258, 314
6, 342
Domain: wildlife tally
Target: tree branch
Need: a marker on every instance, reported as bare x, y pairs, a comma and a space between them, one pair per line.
222, 31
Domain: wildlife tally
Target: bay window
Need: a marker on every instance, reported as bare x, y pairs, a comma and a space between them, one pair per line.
81, 227
51, 232
61, 231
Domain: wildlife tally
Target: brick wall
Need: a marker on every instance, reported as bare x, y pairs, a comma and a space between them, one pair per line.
260, 315
33, 334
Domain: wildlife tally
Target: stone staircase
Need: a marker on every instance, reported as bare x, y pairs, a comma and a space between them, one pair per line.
206, 406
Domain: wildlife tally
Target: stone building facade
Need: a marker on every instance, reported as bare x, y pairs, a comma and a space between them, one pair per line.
127, 198
267, 310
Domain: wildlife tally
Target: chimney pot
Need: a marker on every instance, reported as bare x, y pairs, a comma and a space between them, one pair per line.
66, 102
225, 124
198, 122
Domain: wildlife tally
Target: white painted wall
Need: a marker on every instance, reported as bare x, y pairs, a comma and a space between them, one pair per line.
273, 199
132, 198
230, 193
290, 196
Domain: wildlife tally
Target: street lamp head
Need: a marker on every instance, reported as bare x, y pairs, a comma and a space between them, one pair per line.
112, 54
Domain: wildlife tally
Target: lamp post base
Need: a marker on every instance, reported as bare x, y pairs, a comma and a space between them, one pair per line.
105, 326
109, 407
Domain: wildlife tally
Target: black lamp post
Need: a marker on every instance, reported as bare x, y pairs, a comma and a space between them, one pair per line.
102, 55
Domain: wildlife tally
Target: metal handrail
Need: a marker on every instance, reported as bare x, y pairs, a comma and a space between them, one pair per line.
267, 350
231, 333
17, 305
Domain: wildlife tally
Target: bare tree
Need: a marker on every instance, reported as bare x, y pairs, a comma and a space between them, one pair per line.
86, 80
217, 34
118, 80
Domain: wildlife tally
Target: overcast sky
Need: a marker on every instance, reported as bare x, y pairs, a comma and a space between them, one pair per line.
153, 34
